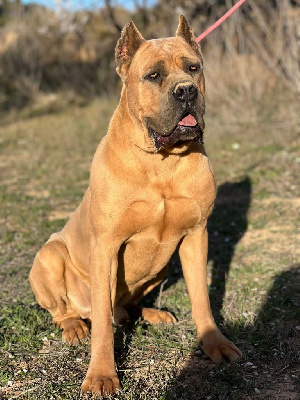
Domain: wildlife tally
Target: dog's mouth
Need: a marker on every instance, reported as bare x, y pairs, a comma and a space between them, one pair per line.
187, 129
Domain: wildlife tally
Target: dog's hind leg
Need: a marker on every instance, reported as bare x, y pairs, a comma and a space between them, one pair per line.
151, 315
47, 279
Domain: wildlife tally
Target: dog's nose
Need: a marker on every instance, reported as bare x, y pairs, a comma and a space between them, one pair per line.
185, 91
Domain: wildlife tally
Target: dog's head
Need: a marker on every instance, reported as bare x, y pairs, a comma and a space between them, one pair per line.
164, 85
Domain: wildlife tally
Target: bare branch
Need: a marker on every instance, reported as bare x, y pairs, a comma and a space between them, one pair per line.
112, 16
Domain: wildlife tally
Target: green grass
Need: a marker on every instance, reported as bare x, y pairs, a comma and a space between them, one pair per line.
252, 268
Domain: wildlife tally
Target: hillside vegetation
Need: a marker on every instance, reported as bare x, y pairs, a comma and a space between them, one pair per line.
48, 57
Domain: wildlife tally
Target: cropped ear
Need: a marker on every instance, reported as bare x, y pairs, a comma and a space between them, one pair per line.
185, 31
127, 45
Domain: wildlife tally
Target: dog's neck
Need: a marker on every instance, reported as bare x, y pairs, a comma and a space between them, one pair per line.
123, 122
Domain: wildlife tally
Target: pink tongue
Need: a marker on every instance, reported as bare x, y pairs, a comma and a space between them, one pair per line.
189, 120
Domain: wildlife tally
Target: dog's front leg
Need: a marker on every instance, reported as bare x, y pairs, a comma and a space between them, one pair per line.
101, 377
193, 256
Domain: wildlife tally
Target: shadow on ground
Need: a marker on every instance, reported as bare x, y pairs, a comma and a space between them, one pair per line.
271, 347
226, 226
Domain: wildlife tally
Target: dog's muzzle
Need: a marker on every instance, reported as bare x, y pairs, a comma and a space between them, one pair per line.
182, 133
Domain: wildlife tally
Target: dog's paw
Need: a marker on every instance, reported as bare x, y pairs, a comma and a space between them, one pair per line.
101, 385
219, 348
158, 316
74, 331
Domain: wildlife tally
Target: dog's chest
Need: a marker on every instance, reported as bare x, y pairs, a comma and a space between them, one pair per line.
166, 218
175, 216
158, 227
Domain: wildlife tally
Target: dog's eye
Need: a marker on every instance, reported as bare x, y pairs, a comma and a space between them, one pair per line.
194, 68
153, 76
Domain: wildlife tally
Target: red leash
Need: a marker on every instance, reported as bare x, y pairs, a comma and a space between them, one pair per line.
219, 22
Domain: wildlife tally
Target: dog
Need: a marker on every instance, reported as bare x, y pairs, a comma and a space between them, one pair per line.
151, 190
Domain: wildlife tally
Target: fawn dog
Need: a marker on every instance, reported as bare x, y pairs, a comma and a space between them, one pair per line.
151, 189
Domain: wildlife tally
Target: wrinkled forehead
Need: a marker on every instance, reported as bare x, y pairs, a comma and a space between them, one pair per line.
164, 54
